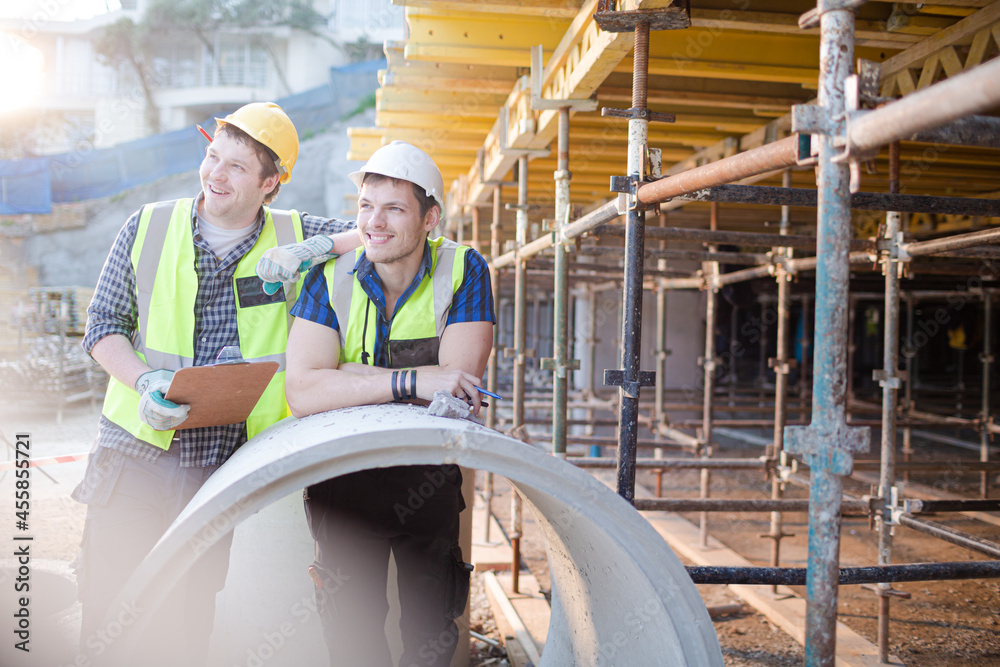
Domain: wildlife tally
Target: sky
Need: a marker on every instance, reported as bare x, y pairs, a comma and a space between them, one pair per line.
56, 10
21, 66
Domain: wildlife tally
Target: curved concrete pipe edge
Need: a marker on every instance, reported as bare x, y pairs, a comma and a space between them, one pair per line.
620, 595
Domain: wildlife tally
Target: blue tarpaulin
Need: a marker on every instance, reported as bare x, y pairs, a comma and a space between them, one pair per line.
100, 173
25, 186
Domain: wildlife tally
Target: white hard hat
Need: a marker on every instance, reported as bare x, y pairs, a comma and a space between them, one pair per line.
406, 162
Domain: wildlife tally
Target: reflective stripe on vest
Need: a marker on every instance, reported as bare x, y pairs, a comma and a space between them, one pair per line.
423, 315
163, 261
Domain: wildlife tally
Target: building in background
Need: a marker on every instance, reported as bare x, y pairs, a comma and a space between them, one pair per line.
82, 101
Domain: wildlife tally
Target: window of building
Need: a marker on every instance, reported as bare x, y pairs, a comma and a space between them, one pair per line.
240, 63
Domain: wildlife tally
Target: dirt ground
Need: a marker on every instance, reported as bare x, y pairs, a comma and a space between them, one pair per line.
948, 623
951, 623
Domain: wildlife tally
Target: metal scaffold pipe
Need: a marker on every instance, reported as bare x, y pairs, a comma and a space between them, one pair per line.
961, 95
890, 381
492, 380
971, 542
520, 354
754, 239
629, 380
864, 201
958, 242
828, 444
769, 157
782, 367
560, 362
796, 576
711, 269
984, 414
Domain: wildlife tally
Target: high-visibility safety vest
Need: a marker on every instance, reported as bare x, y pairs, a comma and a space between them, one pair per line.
163, 261
417, 325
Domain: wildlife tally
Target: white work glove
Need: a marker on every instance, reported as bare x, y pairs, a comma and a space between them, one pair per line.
284, 263
154, 409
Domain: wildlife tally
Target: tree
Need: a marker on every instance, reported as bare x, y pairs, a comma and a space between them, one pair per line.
124, 43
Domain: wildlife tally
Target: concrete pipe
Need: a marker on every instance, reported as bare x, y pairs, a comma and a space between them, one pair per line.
619, 594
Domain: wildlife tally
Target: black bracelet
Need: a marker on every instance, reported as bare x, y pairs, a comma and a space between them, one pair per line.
395, 391
402, 384
413, 383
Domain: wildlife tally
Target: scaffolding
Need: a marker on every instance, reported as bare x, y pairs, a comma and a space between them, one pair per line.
820, 422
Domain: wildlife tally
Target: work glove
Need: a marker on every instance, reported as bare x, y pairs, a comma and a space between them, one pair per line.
284, 263
154, 409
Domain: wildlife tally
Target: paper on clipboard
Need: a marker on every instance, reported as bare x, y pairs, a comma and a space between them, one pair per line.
220, 394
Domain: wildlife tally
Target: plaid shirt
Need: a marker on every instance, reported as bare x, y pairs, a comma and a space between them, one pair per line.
113, 311
473, 302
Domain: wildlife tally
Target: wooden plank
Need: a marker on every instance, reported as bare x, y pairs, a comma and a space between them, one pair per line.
945, 3
950, 61
905, 82
786, 610
775, 22
963, 29
977, 51
508, 620
495, 555
932, 66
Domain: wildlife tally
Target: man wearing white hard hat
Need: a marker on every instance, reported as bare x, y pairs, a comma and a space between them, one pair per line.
398, 320
179, 286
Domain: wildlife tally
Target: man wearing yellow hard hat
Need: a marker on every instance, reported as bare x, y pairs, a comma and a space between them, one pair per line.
179, 286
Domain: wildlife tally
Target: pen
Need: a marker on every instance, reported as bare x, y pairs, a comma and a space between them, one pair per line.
489, 393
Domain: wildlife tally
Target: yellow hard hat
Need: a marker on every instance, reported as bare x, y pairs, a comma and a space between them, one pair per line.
270, 125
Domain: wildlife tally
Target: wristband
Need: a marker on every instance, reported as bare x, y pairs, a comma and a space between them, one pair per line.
413, 383
402, 384
395, 390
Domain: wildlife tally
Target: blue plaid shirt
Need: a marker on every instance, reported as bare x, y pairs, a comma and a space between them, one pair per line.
473, 302
113, 311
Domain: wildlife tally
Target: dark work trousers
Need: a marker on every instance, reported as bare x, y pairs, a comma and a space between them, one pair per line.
356, 520
118, 534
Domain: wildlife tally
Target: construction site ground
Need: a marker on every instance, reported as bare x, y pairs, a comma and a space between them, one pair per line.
944, 623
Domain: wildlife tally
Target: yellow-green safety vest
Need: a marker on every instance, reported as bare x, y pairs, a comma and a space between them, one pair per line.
163, 261
416, 327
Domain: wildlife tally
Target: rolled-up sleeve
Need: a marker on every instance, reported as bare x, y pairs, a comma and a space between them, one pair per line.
473, 302
314, 302
312, 225
113, 308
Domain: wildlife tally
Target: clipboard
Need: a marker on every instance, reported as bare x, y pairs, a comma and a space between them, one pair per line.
220, 394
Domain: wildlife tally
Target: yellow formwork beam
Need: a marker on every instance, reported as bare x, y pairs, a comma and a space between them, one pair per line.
471, 104
975, 28
478, 38
788, 23
673, 99
707, 53
561, 9
583, 59
465, 85
402, 68
764, 47
404, 119
431, 140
